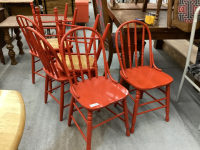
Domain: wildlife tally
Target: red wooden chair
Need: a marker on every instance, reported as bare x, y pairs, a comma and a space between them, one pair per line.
45, 52
48, 55
55, 17
95, 92
25, 22
142, 78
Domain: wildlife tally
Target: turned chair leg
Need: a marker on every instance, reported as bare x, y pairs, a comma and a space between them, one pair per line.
167, 102
33, 69
46, 88
61, 100
125, 109
89, 130
71, 110
135, 109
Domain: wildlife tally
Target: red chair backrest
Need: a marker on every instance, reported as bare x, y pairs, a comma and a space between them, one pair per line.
126, 26
46, 53
81, 44
25, 22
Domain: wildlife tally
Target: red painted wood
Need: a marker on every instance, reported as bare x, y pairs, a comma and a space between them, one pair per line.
142, 77
93, 92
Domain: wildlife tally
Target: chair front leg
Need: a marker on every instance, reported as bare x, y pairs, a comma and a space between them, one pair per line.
71, 110
89, 130
167, 102
125, 109
136, 105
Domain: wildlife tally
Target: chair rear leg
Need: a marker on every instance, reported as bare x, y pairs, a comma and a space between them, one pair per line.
71, 110
61, 100
33, 69
136, 105
167, 102
125, 109
89, 130
46, 88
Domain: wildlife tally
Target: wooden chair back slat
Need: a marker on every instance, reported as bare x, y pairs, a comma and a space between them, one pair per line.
87, 55
129, 46
122, 49
135, 42
143, 43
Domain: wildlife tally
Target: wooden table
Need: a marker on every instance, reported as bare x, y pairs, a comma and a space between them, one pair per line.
11, 22
158, 32
12, 119
16, 7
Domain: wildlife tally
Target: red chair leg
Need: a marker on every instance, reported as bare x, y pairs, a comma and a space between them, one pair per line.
136, 105
46, 88
33, 69
89, 130
125, 109
71, 111
61, 100
167, 102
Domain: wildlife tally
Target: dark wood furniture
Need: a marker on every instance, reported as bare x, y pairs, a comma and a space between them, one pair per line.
48, 6
17, 7
182, 19
11, 22
2, 42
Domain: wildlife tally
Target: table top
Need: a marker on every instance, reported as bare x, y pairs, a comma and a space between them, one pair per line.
121, 16
16, 1
11, 21
12, 119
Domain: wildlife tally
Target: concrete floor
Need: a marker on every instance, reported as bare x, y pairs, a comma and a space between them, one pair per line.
44, 131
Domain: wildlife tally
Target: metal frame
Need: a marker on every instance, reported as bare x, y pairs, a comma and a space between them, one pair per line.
188, 57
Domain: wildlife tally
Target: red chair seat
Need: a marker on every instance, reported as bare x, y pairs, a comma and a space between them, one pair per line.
99, 92
145, 78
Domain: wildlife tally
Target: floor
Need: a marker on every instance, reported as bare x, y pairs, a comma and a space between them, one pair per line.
44, 131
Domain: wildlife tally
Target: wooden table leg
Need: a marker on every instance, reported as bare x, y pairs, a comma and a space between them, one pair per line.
158, 44
159, 3
9, 46
144, 7
19, 42
2, 57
